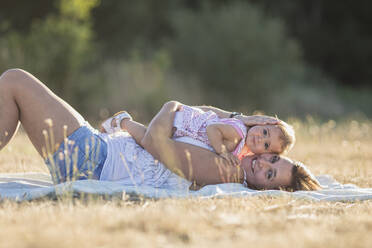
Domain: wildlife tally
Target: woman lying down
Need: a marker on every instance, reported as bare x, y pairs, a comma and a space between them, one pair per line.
217, 148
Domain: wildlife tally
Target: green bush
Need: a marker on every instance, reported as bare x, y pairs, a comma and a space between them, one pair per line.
142, 85
244, 60
58, 50
232, 56
240, 57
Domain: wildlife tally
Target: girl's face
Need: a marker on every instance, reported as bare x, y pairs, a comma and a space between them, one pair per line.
264, 139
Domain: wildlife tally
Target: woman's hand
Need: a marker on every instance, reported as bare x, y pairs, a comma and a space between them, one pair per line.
254, 120
230, 158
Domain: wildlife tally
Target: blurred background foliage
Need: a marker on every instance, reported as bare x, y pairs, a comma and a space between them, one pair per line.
290, 58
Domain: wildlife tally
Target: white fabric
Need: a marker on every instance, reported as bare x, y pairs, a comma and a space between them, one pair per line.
191, 141
127, 163
29, 186
108, 128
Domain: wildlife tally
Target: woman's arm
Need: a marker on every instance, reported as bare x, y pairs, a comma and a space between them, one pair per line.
160, 128
135, 129
251, 120
193, 163
221, 113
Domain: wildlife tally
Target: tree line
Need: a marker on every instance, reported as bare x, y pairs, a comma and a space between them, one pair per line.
311, 56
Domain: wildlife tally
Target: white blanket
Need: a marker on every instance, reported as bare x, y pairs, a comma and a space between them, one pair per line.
29, 186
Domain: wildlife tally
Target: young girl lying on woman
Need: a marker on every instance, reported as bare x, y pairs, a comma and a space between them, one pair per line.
229, 137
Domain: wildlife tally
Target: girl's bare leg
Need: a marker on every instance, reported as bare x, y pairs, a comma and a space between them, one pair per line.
24, 99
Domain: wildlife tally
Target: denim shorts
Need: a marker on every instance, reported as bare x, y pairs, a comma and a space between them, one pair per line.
81, 156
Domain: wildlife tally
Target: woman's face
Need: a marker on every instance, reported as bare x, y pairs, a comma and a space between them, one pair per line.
268, 171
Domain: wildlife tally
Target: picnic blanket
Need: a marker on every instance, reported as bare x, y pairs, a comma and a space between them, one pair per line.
31, 186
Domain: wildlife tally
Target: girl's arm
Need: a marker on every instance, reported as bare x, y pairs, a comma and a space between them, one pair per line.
193, 163
216, 137
219, 133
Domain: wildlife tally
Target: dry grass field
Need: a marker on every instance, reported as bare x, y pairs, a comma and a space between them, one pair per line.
340, 149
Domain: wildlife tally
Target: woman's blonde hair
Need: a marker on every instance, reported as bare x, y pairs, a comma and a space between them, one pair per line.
302, 179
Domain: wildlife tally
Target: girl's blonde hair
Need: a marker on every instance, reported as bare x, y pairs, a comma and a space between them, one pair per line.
287, 136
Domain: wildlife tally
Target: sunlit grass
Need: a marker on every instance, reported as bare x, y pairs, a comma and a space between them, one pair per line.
339, 149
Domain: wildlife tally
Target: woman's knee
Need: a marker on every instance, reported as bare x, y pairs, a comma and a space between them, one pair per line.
13, 78
11, 73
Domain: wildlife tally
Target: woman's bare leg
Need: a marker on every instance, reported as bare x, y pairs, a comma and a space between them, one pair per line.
23, 98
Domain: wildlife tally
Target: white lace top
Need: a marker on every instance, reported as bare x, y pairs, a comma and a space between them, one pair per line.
130, 164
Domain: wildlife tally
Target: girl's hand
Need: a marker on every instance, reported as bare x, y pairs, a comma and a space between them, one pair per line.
231, 158
254, 120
